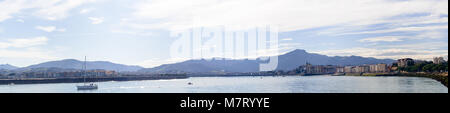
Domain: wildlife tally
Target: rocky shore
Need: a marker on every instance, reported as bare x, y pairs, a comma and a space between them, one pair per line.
441, 77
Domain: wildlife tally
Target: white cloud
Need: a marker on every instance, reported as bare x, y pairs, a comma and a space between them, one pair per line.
28, 53
25, 48
55, 10
61, 30
87, 10
423, 51
420, 46
287, 39
96, 20
431, 35
23, 42
46, 29
401, 29
9, 7
47, 9
383, 39
50, 28
424, 35
20, 20
289, 15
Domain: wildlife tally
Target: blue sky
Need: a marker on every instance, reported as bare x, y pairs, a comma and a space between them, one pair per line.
138, 32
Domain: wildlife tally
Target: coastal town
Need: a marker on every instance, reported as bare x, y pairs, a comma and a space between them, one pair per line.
436, 69
402, 65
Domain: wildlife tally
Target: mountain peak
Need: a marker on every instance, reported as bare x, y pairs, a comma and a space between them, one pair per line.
7, 66
299, 51
71, 60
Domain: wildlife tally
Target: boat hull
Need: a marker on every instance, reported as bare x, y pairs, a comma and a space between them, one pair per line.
87, 87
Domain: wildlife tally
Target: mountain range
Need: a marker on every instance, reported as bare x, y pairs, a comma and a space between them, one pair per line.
288, 61
7, 67
76, 64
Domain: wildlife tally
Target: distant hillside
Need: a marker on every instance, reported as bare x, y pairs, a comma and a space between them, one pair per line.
7, 67
198, 66
75, 64
287, 61
298, 57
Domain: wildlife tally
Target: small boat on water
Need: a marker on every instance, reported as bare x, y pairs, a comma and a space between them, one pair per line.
190, 83
87, 86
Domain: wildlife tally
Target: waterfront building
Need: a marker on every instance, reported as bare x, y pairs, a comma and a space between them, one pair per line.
373, 68
340, 69
381, 68
317, 69
348, 69
438, 60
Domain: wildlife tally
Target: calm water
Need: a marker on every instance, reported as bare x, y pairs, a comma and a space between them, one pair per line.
289, 84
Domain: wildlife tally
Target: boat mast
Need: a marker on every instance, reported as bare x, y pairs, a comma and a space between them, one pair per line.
85, 69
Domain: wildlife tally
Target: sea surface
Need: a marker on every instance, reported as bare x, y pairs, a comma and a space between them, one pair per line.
249, 84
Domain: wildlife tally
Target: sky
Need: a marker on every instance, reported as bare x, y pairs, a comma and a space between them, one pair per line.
138, 32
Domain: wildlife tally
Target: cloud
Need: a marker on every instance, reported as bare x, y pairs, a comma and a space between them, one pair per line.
28, 48
383, 39
20, 20
287, 39
24, 42
49, 28
288, 15
423, 51
420, 46
424, 35
96, 20
87, 10
55, 10
401, 29
431, 35
46, 9
9, 7
27, 53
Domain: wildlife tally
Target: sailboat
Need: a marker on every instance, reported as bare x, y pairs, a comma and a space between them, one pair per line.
86, 86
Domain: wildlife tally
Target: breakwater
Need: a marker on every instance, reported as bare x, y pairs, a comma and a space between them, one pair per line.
88, 79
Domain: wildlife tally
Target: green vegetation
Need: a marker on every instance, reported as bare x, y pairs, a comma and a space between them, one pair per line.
426, 67
353, 74
375, 74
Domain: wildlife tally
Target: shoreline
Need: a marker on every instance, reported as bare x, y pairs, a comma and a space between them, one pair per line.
438, 77
435, 76
89, 79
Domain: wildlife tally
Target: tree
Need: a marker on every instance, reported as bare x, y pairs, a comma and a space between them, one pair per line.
428, 68
395, 65
414, 68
